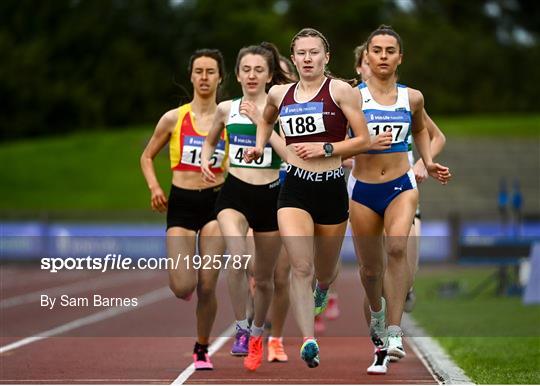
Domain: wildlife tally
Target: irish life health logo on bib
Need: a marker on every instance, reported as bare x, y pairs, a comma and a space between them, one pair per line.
398, 122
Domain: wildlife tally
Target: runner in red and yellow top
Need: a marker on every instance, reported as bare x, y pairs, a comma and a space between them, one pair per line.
186, 144
191, 202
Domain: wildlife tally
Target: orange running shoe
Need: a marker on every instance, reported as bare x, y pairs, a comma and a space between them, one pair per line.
255, 353
276, 352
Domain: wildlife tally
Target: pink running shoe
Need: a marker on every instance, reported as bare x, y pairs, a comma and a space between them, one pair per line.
332, 311
201, 359
320, 327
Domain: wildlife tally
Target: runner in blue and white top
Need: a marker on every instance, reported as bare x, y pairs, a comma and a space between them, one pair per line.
395, 118
383, 191
437, 141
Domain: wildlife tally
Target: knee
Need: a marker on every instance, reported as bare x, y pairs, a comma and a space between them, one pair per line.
264, 285
371, 273
303, 270
396, 249
237, 274
205, 291
281, 283
182, 291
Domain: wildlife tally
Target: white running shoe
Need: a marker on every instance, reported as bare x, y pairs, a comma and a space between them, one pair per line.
395, 344
380, 363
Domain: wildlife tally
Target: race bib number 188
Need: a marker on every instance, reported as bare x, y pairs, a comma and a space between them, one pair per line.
302, 119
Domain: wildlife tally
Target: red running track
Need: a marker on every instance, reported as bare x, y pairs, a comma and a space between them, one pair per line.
152, 343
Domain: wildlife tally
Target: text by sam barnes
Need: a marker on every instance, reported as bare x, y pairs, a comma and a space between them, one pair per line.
87, 301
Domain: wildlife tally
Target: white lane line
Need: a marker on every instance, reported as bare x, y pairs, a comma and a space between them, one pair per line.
76, 287
214, 347
443, 369
86, 380
144, 300
16, 278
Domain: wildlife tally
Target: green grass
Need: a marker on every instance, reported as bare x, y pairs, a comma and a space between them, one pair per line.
95, 170
495, 340
490, 125
98, 170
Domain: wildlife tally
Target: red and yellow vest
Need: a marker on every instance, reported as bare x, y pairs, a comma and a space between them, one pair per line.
186, 145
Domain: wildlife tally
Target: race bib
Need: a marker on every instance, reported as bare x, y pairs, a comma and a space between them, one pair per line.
396, 121
239, 143
302, 119
192, 149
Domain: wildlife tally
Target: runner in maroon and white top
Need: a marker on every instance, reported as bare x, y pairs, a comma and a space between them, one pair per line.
313, 204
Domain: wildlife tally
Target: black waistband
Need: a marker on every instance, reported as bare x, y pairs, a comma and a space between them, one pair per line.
327, 175
238, 181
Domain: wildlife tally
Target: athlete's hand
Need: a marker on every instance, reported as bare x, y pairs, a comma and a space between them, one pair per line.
252, 154
347, 163
420, 171
158, 200
439, 172
308, 150
207, 174
250, 110
381, 141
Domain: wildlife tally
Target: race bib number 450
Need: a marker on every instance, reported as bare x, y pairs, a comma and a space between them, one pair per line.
191, 152
302, 119
239, 144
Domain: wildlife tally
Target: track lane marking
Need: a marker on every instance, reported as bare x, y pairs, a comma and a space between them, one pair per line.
214, 347
144, 300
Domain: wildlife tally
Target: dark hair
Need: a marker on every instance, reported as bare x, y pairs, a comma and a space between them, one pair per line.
310, 32
210, 53
385, 30
271, 54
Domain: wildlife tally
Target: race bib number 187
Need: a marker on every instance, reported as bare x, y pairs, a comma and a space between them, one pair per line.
397, 122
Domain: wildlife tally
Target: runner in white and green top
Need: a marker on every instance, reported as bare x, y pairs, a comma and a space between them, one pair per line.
241, 134
249, 196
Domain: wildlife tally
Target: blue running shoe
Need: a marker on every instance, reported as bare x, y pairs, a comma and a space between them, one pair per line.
309, 352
